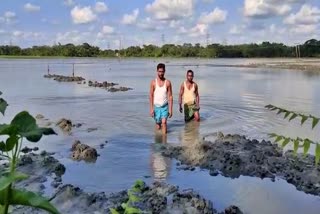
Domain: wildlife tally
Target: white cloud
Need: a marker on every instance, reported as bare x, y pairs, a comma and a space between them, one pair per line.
106, 29
27, 35
182, 30
198, 30
148, 24
304, 29
53, 22
174, 23
101, 7
277, 30
82, 15
68, 2
305, 21
8, 17
129, 19
236, 30
31, 7
268, 8
216, 16
171, 9
273, 28
307, 15
17, 33
76, 37
208, 1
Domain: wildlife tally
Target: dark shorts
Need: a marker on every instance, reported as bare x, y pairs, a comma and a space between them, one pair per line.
189, 110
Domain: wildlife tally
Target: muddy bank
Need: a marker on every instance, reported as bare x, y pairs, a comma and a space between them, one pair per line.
311, 66
301, 64
301, 67
234, 155
81, 151
156, 198
61, 78
65, 125
109, 86
41, 168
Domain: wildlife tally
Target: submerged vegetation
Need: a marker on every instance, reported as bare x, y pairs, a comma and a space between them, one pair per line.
310, 48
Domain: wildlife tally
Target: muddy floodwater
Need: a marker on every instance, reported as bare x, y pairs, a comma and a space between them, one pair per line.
232, 101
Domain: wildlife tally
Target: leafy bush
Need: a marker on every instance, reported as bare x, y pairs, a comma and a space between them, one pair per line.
22, 126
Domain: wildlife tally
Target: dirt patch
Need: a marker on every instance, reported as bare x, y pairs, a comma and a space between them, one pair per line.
61, 78
84, 152
109, 86
234, 155
40, 168
157, 198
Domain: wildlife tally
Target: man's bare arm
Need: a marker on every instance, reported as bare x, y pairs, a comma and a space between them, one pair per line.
151, 98
196, 91
170, 96
180, 97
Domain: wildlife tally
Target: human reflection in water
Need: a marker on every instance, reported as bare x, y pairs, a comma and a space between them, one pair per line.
160, 165
190, 139
190, 134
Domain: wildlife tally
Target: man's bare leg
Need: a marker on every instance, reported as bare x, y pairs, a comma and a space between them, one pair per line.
164, 138
164, 125
197, 116
158, 126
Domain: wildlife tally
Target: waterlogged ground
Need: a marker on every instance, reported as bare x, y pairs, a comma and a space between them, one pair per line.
232, 101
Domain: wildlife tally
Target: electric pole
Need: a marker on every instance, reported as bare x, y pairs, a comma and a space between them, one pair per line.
163, 39
73, 69
207, 38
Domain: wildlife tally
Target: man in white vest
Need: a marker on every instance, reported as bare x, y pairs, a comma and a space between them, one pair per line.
161, 99
189, 94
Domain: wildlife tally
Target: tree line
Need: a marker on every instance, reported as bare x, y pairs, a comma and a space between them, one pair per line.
310, 48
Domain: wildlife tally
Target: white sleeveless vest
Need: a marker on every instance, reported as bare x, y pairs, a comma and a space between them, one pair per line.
160, 95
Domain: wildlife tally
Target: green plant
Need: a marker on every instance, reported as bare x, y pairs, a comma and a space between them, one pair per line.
133, 196
22, 126
3, 105
297, 142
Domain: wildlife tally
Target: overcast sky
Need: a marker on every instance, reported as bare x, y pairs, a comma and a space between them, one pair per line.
136, 22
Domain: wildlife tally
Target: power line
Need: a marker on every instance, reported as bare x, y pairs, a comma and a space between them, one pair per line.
163, 39
207, 38
225, 42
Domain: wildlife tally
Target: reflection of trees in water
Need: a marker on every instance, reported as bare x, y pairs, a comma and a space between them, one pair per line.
160, 165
